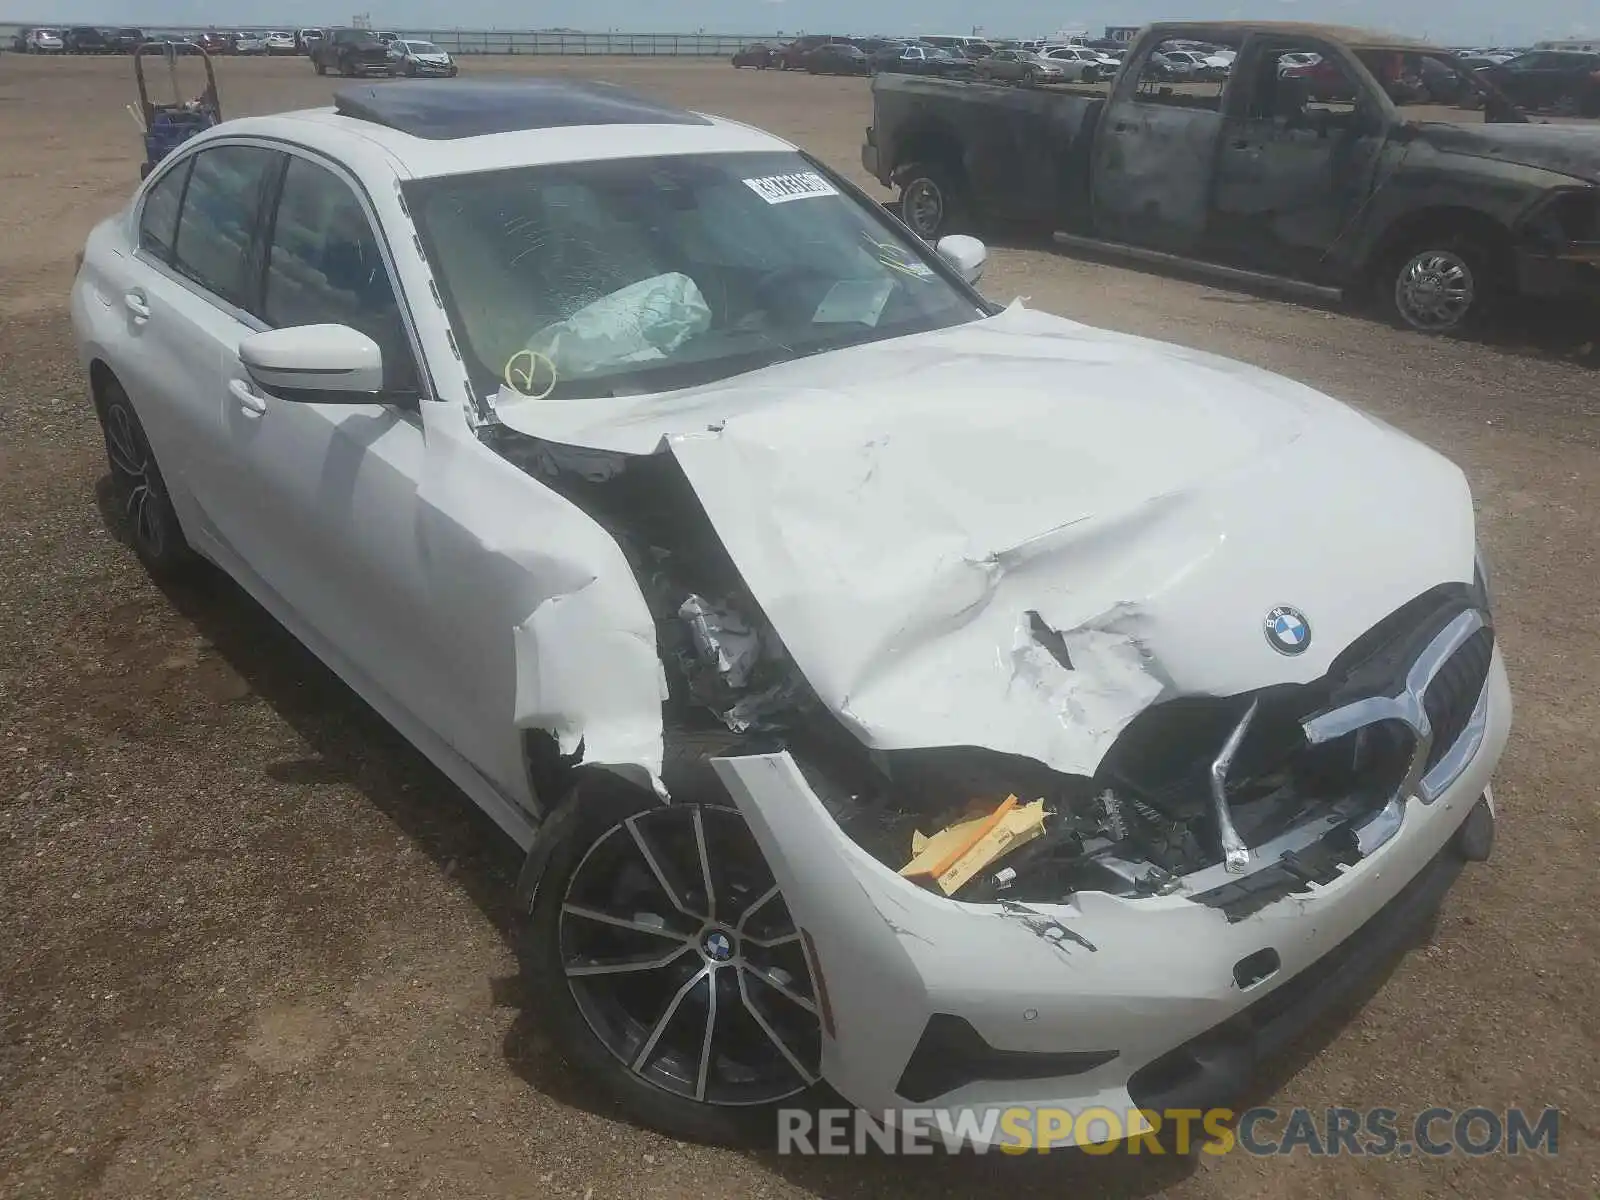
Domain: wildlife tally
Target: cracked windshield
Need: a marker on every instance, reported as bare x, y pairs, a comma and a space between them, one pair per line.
637, 275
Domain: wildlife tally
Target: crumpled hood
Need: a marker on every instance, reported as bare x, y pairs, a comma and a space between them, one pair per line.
920, 517
1564, 149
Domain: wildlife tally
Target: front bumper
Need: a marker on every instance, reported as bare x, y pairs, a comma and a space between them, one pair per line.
1127, 996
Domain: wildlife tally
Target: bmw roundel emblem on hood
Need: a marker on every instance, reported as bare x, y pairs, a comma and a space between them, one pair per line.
1288, 631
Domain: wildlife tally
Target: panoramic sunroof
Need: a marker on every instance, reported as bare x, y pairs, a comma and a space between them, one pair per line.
443, 110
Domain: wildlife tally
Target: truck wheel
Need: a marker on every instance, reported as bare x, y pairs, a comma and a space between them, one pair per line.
1091, 75
661, 956
931, 201
1443, 283
322, 67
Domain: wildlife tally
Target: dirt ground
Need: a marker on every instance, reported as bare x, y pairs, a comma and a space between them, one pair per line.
252, 945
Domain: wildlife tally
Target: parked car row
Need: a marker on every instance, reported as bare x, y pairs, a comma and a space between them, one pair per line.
76, 39
934, 55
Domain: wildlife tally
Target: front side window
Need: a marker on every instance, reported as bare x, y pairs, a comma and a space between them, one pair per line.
639, 275
158, 221
220, 212
324, 267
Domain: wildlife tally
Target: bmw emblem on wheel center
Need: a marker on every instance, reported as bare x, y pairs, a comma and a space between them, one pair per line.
1288, 631
718, 946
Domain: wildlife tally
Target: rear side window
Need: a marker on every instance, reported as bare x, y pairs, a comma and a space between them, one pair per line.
158, 221
220, 212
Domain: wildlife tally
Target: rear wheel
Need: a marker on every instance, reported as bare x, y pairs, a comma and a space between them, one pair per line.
321, 67
151, 523
931, 200
661, 952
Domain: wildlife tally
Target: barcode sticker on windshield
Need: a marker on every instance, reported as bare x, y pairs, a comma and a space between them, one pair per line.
780, 189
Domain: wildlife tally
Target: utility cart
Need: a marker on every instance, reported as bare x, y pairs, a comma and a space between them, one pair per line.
168, 126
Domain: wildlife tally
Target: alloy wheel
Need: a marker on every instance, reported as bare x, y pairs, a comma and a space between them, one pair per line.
131, 468
682, 957
1435, 290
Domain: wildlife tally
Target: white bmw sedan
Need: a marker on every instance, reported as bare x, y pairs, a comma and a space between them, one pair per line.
955, 704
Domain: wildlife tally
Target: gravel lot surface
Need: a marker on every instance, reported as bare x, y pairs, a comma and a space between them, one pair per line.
252, 944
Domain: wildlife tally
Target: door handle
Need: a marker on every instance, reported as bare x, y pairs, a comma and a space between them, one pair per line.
137, 306
252, 404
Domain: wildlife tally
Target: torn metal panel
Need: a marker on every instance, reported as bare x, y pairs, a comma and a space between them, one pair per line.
908, 512
586, 668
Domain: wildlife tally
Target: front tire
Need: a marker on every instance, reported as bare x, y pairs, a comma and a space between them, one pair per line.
140, 491
321, 67
661, 955
1443, 284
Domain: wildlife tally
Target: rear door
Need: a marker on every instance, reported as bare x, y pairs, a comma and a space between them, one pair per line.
185, 305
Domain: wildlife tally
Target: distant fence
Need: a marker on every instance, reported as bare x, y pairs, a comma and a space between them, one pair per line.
511, 41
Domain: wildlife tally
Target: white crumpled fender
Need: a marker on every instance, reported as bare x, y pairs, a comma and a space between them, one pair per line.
587, 669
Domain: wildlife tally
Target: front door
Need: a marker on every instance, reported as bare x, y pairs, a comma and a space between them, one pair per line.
1296, 163
323, 508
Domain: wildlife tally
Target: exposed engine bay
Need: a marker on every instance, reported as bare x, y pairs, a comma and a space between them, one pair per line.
1190, 783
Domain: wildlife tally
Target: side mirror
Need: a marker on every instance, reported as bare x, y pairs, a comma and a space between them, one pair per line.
966, 254
316, 364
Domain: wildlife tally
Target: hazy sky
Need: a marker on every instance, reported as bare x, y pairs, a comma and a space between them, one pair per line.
1453, 21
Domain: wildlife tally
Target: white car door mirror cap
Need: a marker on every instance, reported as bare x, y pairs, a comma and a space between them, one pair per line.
966, 254
326, 363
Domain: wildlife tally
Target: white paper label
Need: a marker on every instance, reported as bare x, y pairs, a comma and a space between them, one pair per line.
780, 189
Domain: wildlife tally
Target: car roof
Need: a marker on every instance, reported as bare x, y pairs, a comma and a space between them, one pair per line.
473, 109
1356, 39
442, 129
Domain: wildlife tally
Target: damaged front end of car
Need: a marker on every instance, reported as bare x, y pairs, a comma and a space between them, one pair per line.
1233, 801
1042, 818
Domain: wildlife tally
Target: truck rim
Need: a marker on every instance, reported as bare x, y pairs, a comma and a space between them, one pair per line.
684, 961
924, 206
1435, 290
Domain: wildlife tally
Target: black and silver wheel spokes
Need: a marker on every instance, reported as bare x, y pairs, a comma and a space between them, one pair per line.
130, 464
685, 961
1435, 290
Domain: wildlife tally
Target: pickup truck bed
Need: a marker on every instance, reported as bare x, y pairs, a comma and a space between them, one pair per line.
1023, 152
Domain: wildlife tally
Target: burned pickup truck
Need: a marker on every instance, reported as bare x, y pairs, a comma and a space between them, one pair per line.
1311, 162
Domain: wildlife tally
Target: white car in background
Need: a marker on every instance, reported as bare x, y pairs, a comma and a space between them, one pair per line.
250, 43
278, 42
716, 537
411, 57
1081, 64
45, 41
